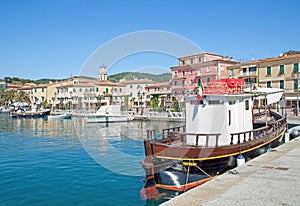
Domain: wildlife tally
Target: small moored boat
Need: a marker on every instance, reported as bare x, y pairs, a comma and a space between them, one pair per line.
60, 116
30, 114
108, 114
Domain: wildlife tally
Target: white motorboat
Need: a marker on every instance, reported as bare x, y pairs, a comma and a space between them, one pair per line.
61, 116
106, 114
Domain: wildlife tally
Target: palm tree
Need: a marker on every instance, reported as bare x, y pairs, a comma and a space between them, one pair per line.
22, 97
10, 96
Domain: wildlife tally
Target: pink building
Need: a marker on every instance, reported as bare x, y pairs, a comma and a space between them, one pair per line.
192, 68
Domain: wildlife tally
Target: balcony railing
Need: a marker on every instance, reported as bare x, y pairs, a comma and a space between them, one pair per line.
253, 73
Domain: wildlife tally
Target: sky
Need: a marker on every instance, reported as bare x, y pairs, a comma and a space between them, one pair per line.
55, 38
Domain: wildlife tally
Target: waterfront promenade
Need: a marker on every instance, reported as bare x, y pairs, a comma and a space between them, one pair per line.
270, 179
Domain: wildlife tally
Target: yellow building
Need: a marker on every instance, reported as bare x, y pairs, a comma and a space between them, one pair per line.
279, 72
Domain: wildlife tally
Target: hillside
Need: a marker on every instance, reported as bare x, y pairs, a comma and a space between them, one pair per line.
165, 77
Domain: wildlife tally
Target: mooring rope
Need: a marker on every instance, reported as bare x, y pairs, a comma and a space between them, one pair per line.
187, 176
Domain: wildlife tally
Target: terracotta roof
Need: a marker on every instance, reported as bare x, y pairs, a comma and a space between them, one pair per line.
136, 81
161, 84
200, 53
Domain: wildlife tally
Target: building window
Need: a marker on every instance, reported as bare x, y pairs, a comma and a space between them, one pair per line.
42, 89
43, 99
244, 71
200, 59
182, 92
175, 75
269, 70
295, 85
269, 84
191, 81
199, 71
131, 86
192, 61
183, 82
80, 90
208, 69
281, 84
35, 90
106, 90
296, 67
183, 62
120, 89
281, 69
183, 73
175, 83
231, 73
208, 79
191, 71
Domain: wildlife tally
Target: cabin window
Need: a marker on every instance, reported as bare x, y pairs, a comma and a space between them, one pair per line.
229, 117
215, 102
231, 102
247, 105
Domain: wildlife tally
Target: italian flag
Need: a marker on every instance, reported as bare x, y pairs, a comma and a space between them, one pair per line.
200, 92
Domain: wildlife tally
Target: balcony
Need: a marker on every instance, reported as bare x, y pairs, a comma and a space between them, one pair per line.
245, 74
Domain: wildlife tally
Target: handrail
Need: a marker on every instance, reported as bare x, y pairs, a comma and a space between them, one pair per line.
170, 135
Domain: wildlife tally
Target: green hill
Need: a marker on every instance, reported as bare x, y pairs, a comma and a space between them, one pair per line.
164, 77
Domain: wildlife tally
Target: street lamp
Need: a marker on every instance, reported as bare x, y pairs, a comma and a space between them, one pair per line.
140, 95
99, 98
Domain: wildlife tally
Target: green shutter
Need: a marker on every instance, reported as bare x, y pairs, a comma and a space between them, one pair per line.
268, 70
281, 84
281, 69
295, 85
296, 67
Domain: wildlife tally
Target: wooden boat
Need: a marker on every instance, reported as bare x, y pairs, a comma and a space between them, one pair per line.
60, 116
221, 130
108, 114
30, 114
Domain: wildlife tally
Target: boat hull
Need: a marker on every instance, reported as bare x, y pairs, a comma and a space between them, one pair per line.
63, 116
183, 173
37, 114
108, 119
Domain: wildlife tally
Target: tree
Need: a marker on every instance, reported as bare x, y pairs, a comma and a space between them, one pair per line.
22, 97
10, 96
175, 105
154, 102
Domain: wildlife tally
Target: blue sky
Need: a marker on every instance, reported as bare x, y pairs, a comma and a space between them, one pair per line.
53, 38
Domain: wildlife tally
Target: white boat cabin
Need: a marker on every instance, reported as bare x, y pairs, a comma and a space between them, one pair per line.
224, 114
218, 114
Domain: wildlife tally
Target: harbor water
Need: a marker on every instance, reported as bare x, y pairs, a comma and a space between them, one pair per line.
70, 162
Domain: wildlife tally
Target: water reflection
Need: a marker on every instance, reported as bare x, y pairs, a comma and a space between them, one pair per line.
36, 152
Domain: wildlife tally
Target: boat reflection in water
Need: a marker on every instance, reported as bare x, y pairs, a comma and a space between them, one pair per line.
221, 129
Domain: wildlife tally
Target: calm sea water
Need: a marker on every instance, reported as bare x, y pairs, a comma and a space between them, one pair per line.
69, 162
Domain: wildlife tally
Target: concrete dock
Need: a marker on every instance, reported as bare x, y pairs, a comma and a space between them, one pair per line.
270, 179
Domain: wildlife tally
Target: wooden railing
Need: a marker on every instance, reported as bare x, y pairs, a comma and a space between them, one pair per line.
271, 128
171, 135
